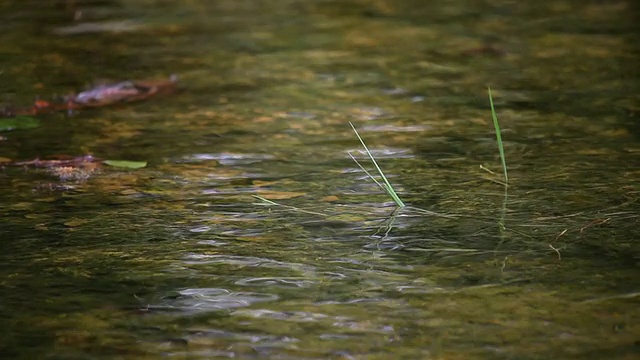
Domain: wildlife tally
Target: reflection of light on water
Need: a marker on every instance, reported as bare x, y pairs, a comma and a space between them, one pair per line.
276, 282
99, 27
204, 259
391, 153
229, 158
209, 299
298, 316
396, 128
338, 322
200, 229
212, 243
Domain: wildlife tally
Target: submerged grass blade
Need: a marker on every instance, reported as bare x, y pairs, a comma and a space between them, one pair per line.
386, 185
269, 202
496, 125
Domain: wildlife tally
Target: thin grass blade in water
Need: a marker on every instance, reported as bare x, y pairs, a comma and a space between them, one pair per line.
386, 185
496, 125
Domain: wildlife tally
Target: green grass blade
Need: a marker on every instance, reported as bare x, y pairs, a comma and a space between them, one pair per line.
496, 125
386, 185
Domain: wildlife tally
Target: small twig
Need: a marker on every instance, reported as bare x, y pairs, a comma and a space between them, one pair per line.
557, 252
621, 296
594, 223
504, 263
560, 235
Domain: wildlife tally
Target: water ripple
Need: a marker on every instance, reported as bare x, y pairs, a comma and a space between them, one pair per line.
384, 153
229, 158
340, 322
396, 128
363, 326
276, 282
297, 316
204, 259
212, 243
198, 229
210, 299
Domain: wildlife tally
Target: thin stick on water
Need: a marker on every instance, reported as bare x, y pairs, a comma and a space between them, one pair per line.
385, 185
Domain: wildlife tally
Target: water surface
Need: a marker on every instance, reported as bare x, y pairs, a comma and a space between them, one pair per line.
180, 259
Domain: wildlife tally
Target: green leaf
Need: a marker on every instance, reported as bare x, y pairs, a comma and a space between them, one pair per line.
126, 164
18, 122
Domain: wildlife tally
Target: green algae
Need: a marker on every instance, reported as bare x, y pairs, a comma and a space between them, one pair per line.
18, 123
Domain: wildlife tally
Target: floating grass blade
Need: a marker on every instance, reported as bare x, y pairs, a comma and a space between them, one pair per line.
385, 185
498, 137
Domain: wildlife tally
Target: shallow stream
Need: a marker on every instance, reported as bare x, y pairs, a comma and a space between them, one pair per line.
181, 259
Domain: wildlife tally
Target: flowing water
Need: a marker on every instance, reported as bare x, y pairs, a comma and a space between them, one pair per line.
179, 259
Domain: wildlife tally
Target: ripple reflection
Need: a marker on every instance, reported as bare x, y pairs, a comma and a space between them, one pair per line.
211, 299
